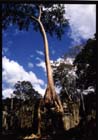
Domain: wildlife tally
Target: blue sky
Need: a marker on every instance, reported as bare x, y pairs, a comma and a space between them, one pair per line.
22, 51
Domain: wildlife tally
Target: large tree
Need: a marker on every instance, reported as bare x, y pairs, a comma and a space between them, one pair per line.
64, 79
47, 18
25, 91
86, 64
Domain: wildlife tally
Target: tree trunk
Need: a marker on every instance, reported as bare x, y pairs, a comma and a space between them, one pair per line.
11, 120
82, 99
47, 60
39, 118
50, 94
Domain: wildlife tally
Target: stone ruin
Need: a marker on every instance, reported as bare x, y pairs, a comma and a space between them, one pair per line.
71, 116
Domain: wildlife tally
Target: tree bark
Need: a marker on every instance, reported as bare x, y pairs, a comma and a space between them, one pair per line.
50, 93
39, 118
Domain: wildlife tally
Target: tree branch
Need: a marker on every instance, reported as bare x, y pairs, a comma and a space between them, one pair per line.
40, 12
68, 94
39, 16
36, 19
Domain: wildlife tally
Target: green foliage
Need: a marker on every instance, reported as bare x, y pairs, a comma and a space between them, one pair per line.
24, 107
85, 62
53, 17
65, 81
25, 91
60, 74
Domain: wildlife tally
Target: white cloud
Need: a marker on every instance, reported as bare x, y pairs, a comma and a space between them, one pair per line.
30, 65
37, 58
68, 60
7, 92
42, 65
4, 50
51, 61
40, 53
39, 89
6, 46
82, 20
59, 60
13, 72
31, 55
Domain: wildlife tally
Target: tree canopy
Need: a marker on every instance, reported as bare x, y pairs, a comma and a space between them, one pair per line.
64, 78
52, 17
25, 91
86, 65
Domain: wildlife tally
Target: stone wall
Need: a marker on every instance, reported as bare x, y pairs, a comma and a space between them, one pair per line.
71, 117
